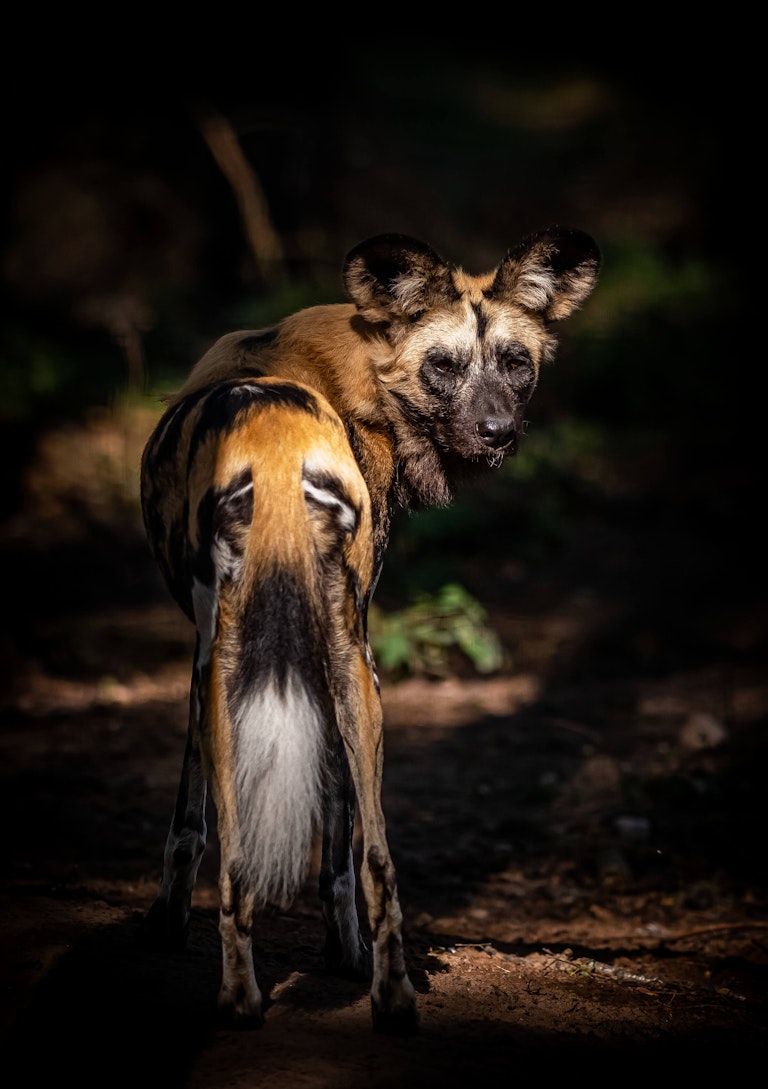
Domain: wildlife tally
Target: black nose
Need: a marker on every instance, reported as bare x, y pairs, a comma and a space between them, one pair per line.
496, 431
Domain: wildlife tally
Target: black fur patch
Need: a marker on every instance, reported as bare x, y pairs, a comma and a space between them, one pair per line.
227, 401
280, 632
168, 431
482, 320
256, 341
234, 507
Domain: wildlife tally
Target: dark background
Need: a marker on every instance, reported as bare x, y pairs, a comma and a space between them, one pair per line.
619, 556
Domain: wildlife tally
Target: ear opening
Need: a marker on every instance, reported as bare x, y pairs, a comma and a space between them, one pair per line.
394, 276
551, 272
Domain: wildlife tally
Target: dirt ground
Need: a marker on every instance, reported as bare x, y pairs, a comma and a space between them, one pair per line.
580, 839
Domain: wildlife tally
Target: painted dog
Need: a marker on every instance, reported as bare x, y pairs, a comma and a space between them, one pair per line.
267, 489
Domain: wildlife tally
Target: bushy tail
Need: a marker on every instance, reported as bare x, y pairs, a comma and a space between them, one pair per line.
278, 779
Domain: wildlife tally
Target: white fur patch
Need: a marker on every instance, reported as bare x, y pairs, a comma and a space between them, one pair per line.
278, 777
246, 387
227, 564
343, 512
535, 288
233, 496
409, 291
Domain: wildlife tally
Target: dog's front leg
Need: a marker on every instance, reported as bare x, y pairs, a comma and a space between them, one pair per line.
167, 922
345, 951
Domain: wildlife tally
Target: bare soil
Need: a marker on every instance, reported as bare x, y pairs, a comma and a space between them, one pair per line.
580, 839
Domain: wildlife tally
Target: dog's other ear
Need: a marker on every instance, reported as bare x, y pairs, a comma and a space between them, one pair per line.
394, 277
551, 272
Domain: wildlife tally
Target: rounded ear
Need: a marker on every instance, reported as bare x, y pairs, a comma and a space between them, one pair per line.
393, 276
551, 272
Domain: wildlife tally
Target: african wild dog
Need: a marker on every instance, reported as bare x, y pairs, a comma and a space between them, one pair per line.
267, 490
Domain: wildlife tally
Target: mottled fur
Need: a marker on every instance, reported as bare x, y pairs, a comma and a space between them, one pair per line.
268, 488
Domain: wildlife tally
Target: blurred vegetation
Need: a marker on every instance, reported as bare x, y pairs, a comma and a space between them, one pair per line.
425, 636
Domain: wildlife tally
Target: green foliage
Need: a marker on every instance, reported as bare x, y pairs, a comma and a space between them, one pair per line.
639, 281
419, 639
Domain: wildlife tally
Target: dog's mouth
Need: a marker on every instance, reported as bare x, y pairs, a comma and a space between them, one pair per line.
494, 458
468, 453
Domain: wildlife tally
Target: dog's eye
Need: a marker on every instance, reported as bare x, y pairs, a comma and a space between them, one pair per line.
446, 364
512, 357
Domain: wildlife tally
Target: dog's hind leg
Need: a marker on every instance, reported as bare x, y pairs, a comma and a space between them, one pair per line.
339, 571
345, 951
239, 999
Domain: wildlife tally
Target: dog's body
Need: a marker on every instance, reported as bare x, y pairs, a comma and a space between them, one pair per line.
268, 489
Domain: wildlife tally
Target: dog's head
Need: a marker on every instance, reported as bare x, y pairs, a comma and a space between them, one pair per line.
462, 353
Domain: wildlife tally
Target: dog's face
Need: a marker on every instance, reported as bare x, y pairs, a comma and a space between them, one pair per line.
463, 352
